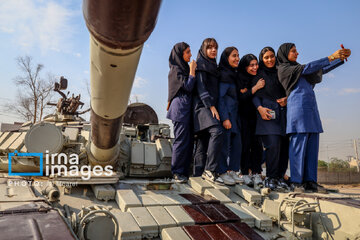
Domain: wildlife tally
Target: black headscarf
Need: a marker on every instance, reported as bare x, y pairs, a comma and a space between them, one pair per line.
228, 74
290, 72
273, 89
245, 78
179, 69
246, 107
269, 71
206, 64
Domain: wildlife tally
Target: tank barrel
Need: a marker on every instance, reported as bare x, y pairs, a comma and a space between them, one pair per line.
118, 30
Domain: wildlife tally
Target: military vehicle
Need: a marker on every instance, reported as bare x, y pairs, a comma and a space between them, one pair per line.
65, 178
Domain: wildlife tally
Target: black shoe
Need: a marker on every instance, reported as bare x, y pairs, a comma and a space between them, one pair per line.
297, 187
180, 178
282, 183
315, 187
271, 183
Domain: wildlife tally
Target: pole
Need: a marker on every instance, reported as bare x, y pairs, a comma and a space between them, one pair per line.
356, 154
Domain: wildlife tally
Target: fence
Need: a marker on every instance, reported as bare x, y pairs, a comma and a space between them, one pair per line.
338, 177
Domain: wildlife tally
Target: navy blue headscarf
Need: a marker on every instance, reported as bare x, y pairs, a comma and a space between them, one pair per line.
204, 63
228, 74
245, 78
179, 69
273, 89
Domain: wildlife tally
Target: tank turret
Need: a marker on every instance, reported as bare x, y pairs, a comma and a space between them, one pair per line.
143, 148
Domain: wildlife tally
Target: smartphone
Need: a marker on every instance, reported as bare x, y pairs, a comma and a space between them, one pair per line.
272, 113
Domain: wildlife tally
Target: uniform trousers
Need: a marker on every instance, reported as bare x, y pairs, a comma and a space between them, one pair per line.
276, 155
252, 150
182, 148
207, 149
303, 154
231, 150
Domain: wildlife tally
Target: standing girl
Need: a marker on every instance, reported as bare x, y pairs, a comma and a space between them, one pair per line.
303, 119
270, 102
181, 83
206, 118
252, 148
228, 111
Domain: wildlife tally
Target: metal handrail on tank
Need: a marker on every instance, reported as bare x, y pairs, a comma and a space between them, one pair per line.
296, 205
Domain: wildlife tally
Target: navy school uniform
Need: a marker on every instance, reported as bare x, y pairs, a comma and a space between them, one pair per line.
180, 108
273, 136
252, 149
207, 128
228, 109
272, 132
180, 112
230, 157
304, 124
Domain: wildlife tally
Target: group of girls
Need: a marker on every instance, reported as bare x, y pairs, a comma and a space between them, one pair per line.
229, 118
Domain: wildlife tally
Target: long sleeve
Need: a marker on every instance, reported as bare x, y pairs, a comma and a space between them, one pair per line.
203, 93
315, 66
256, 101
188, 85
334, 64
223, 109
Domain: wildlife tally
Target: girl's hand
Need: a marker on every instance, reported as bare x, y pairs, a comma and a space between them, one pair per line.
264, 113
227, 124
282, 101
193, 66
259, 85
340, 54
347, 53
244, 90
215, 113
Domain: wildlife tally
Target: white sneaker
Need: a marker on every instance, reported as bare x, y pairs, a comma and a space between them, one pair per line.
236, 177
228, 180
219, 180
208, 175
248, 180
258, 180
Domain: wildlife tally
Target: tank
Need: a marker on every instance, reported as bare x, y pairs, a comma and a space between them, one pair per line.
144, 145
66, 178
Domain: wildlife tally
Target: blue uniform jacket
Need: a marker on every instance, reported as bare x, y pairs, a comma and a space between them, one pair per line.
302, 110
275, 126
181, 106
205, 95
228, 105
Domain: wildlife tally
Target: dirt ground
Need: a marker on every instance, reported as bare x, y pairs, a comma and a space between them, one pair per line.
345, 188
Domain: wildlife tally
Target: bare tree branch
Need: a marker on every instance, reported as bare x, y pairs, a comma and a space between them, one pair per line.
22, 106
34, 92
45, 93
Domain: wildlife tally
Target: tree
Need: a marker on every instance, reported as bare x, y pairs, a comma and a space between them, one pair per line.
33, 91
45, 93
322, 164
338, 164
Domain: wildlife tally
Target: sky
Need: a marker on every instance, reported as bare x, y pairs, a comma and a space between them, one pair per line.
54, 34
